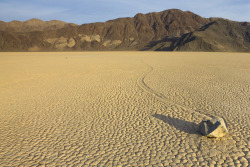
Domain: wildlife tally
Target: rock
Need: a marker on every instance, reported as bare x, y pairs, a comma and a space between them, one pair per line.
214, 127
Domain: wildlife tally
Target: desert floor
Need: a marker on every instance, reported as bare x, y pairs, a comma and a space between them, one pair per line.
122, 108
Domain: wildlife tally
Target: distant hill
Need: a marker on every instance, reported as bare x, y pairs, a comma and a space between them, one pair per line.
32, 25
169, 30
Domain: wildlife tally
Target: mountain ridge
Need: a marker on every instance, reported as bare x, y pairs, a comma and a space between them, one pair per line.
166, 31
33, 24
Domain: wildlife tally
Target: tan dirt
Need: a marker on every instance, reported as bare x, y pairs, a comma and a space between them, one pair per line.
122, 108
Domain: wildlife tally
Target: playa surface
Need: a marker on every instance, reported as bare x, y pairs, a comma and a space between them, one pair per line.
122, 108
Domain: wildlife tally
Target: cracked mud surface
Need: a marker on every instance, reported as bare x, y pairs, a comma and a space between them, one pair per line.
122, 108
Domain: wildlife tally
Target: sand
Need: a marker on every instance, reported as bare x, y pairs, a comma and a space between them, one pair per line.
122, 108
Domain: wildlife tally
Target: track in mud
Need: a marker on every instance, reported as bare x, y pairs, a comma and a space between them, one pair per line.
141, 83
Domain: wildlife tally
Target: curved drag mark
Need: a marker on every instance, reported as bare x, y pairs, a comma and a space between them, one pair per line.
141, 83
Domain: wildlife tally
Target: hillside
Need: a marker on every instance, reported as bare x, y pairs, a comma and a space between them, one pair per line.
220, 35
167, 30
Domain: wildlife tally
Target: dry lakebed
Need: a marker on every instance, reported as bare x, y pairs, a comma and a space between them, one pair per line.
122, 108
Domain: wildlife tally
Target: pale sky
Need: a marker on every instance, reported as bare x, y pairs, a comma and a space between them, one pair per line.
88, 11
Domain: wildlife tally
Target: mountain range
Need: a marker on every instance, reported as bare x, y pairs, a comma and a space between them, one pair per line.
169, 30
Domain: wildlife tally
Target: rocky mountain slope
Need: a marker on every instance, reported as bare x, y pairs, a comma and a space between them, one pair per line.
220, 35
171, 30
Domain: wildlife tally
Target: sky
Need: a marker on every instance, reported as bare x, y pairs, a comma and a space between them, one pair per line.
89, 11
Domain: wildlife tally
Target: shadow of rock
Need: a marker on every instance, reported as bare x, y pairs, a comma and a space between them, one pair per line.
182, 125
